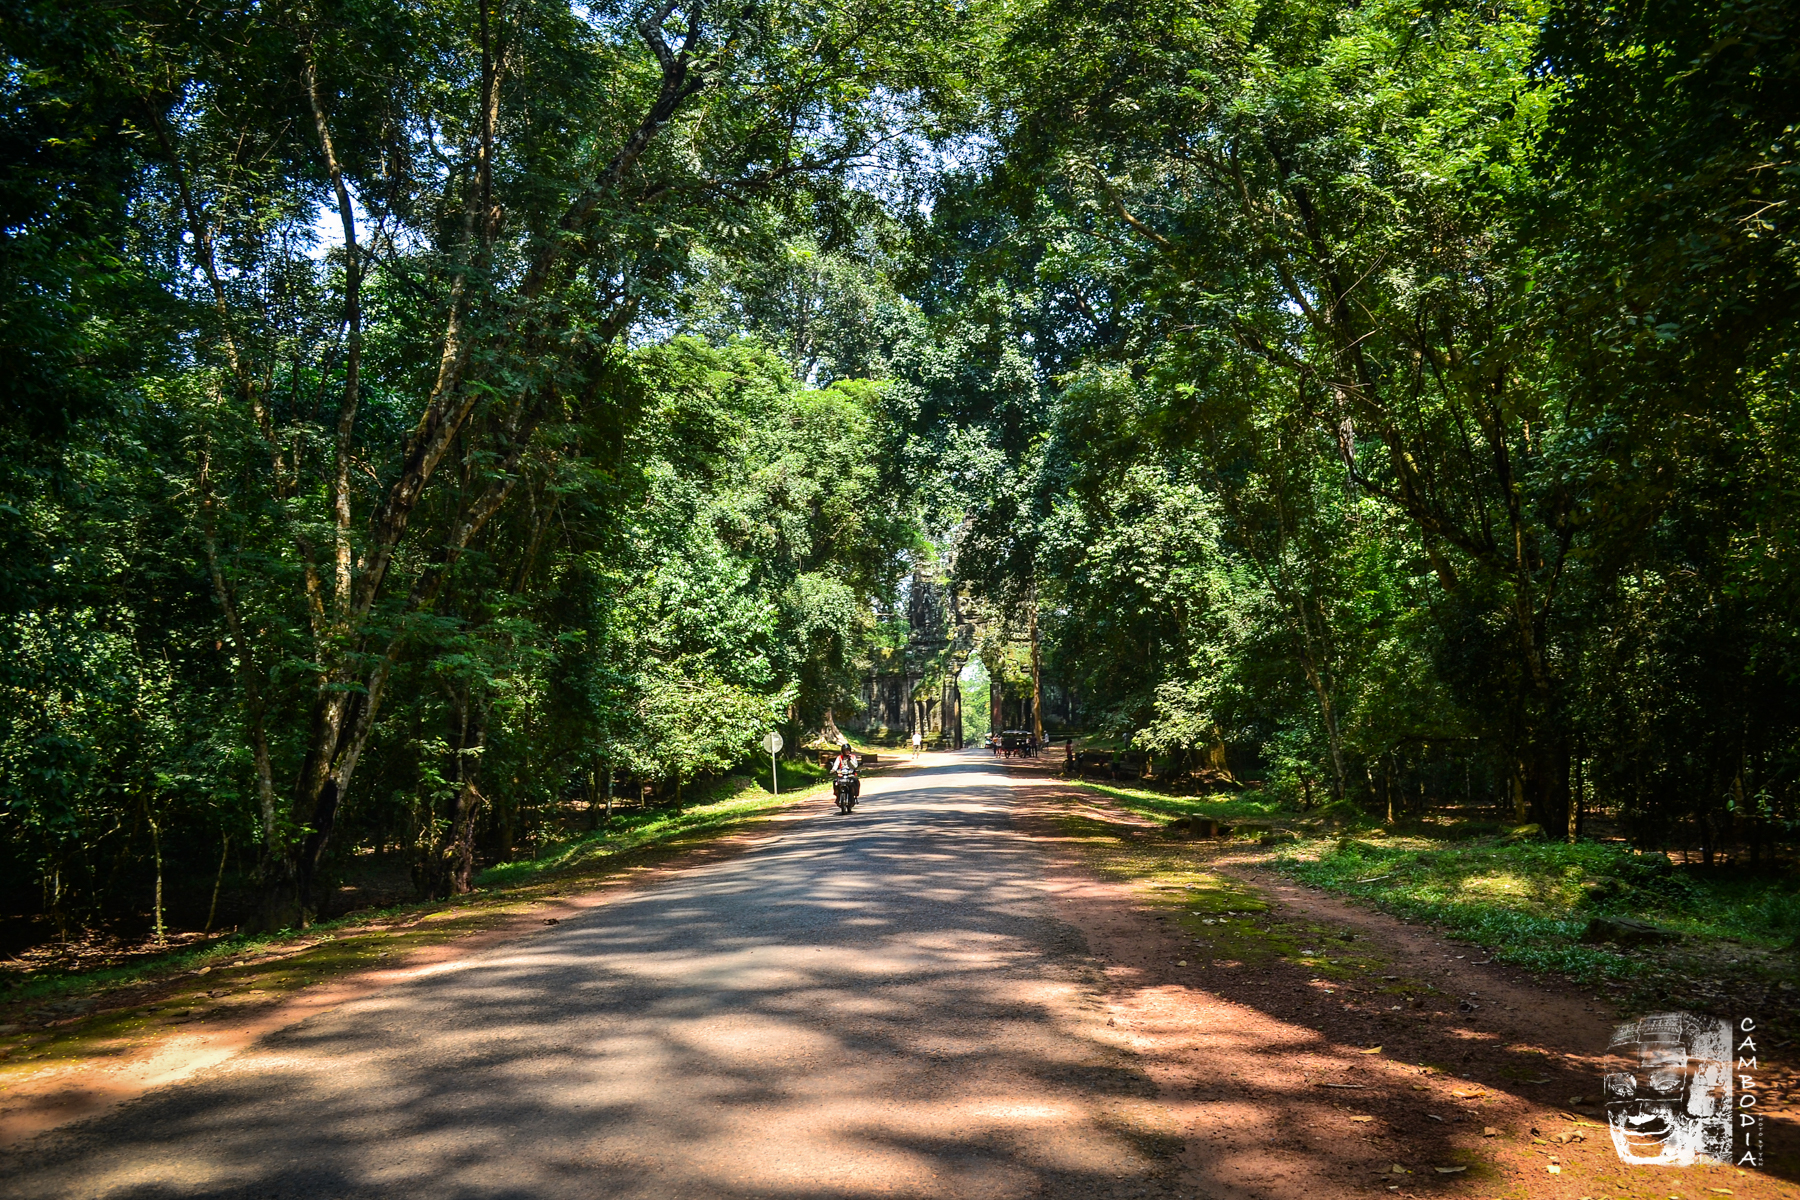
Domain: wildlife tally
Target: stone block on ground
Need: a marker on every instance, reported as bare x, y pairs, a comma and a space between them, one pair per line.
1200, 827
1623, 931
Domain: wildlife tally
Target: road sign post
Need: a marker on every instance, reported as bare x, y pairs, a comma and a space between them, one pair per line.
772, 743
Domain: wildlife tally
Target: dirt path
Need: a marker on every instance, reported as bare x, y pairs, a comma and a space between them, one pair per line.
1483, 1085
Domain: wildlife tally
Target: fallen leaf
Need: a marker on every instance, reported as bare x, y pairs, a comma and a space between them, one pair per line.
1489, 1131
1449, 1170
1554, 1169
1721, 1191
1362, 1118
1182, 963
1373, 1050
1419, 1087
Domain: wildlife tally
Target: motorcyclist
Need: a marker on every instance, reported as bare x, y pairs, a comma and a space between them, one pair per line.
847, 760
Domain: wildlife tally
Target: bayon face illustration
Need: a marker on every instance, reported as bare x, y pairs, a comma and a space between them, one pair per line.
1673, 1107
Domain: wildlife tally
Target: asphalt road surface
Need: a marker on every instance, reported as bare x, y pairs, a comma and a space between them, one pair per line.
878, 1004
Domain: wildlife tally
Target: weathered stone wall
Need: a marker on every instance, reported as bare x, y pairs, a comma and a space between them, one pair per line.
914, 688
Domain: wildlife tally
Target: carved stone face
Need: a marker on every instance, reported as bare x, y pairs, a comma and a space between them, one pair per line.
1673, 1106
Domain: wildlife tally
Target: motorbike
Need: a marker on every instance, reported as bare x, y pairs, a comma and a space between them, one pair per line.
845, 787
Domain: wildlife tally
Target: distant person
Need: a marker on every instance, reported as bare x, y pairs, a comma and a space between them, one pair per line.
918, 741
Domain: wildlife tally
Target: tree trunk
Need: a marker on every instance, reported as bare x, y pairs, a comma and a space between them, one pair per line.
1037, 679
1576, 806
450, 856
278, 900
996, 698
462, 844
156, 852
1546, 781
212, 910
1387, 785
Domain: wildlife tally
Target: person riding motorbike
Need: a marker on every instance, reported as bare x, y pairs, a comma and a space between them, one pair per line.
847, 762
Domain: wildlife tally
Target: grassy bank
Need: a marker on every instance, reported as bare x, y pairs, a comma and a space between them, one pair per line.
637, 829
1220, 806
1527, 903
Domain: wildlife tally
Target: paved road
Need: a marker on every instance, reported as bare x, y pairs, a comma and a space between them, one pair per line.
879, 1004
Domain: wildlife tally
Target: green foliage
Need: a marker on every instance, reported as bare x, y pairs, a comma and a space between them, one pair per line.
423, 419
1400, 399
355, 487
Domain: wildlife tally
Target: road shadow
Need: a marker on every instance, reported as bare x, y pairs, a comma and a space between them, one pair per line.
878, 1004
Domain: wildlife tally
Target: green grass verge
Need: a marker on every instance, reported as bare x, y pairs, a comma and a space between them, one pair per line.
1528, 903
1229, 921
640, 828
1221, 806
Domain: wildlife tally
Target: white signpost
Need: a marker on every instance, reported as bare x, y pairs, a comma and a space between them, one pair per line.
772, 743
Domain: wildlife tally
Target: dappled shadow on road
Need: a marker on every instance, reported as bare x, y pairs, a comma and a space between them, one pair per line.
879, 1004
